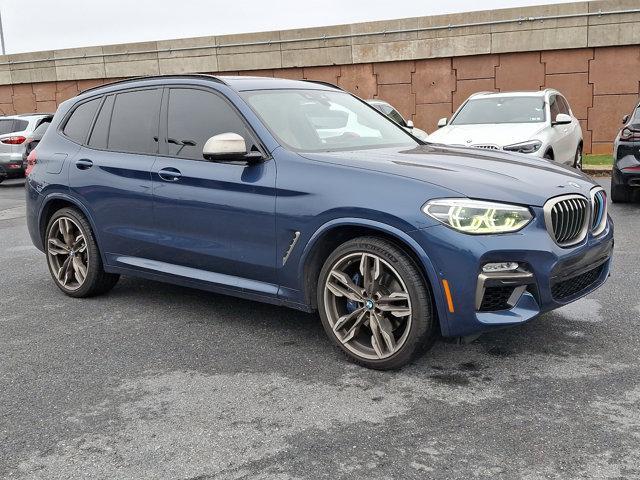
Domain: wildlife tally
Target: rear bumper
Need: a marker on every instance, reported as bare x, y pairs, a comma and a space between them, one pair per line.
549, 277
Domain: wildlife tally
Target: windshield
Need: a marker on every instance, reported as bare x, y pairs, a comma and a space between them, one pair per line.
501, 110
320, 121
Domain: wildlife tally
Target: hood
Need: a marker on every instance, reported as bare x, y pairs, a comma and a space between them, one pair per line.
491, 134
471, 172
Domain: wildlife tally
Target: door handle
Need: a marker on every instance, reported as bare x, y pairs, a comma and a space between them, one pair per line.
84, 164
170, 174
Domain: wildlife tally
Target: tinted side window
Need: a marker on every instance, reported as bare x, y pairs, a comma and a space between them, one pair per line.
197, 115
100, 132
78, 125
6, 126
19, 125
134, 122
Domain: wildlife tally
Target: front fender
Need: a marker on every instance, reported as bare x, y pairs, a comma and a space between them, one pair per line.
400, 236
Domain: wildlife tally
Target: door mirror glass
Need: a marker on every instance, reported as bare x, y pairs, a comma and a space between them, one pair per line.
225, 146
409, 124
443, 122
562, 119
625, 119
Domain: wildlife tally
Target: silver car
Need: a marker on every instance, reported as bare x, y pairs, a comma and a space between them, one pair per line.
540, 124
388, 109
15, 132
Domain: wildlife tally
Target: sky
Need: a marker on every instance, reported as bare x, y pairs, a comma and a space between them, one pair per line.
34, 25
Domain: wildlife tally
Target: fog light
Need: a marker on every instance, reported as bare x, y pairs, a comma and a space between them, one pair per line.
500, 267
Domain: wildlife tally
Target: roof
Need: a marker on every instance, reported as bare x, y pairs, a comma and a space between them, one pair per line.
238, 83
522, 93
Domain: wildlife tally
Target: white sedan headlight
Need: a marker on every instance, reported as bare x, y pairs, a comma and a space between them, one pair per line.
478, 217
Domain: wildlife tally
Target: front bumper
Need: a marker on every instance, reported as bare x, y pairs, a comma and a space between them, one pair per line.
549, 277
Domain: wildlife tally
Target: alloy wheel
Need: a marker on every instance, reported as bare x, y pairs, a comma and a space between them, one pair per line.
67, 253
368, 305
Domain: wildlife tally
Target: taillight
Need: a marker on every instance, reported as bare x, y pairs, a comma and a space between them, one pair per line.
629, 135
13, 140
32, 159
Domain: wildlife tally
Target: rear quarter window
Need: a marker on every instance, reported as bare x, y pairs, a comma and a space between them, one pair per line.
78, 124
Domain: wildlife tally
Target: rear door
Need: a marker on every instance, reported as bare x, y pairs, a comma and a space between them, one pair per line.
216, 219
111, 173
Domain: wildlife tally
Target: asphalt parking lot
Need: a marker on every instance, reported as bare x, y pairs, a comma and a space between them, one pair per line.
158, 381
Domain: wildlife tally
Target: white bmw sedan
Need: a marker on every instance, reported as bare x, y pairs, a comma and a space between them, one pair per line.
539, 124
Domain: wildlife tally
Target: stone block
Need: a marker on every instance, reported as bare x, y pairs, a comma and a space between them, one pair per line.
44, 91
400, 96
250, 61
178, 65
427, 115
46, 107
615, 70
24, 103
521, 15
476, 66
385, 26
443, 26
6, 93
187, 47
394, 72
586, 137
576, 88
261, 42
322, 74
133, 68
316, 56
433, 81
605, 116
547, 39
612, 6
86, 84
66, 90
130, 52
89, 55
620, 34
291, 73
81, 71
7, 109
289, 37
32, 75
466, 88
359, 80
567, 61
520, 71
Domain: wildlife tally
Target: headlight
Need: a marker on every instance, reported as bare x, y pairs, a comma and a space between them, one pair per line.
478, 217
531, 146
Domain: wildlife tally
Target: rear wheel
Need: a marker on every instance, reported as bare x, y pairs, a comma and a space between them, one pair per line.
73, 256
375, 304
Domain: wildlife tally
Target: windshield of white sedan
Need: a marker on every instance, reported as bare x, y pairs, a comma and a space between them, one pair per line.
320, 121
501, 110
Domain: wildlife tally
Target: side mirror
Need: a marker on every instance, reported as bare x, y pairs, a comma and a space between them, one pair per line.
443, 122
409, 124
625, 119
228, 147
562, 119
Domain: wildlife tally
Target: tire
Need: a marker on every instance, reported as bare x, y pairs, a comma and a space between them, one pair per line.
620, 193
73, 280
398, 288
577, 160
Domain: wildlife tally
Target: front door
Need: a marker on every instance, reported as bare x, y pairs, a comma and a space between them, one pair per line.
214, 221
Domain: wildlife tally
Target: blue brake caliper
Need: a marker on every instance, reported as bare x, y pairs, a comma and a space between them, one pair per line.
352, 306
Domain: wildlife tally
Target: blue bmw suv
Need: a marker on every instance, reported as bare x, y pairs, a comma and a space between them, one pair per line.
300, 194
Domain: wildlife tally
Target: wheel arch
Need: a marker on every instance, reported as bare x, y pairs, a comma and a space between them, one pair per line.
334, 233
57, 201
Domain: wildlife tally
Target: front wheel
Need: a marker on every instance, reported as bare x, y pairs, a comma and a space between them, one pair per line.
375, 304
577, 161
73, 257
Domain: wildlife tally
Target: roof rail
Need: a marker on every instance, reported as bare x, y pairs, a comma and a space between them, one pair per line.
156, 77
326, 84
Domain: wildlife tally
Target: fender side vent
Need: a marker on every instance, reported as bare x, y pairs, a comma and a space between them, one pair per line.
292, 245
